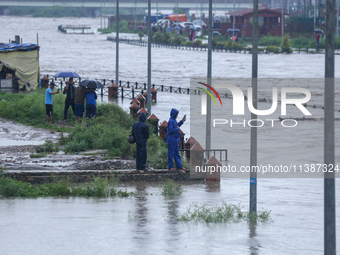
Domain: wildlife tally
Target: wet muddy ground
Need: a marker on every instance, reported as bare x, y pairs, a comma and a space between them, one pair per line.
17, 152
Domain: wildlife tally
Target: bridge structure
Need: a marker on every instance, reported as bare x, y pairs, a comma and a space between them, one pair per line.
226, 5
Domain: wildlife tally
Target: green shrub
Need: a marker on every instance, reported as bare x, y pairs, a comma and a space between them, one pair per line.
270, 40
176, 39
48, 146
271, 49
187, 43
157, 152
13, 188
285, 45
197, 43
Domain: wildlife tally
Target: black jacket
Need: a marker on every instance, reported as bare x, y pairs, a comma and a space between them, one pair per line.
140, 131
70, 93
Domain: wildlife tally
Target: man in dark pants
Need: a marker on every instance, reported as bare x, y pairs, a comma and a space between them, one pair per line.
70, 91
140, 131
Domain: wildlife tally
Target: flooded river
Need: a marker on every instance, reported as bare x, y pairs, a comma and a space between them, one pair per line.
145, 224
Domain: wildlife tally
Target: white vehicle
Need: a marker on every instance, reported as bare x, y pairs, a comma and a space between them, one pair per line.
166, 22
160, 21
199, 22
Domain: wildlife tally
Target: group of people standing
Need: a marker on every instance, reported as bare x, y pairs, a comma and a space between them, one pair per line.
140, 131
75, 98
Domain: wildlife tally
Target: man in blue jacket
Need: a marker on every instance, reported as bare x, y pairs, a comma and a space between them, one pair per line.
140, 131
173, 138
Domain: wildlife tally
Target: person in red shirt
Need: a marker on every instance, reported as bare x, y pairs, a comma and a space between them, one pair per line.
317, 38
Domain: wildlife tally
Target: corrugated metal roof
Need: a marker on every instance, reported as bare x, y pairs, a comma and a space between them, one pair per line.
7, 47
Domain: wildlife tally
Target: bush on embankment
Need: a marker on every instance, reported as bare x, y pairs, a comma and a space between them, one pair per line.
109, 130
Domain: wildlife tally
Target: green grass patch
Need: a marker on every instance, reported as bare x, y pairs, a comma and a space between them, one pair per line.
108, 131
39, 155
98, 187
223, 213
48, 146
170, 188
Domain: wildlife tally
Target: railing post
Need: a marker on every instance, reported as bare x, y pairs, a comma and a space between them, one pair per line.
144, 86
120, 83
133, 93
171, 89
188, 90
122, 92
179, 89
136, 85
128, 84
162, 88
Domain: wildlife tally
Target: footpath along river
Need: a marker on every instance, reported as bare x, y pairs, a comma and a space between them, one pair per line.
103, 226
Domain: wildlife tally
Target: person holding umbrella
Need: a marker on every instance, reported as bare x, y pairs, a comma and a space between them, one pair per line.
80, 95
70, 91
91, 109
86, 86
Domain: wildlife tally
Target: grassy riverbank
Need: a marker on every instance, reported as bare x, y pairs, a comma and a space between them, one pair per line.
98, 187
109, 130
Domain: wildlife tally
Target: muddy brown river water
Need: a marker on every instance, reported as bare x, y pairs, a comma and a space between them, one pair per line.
145, 224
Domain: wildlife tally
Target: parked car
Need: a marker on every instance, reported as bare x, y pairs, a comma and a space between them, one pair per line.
216, 33
198, 22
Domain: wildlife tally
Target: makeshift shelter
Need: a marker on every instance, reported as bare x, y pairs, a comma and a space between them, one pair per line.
19, 66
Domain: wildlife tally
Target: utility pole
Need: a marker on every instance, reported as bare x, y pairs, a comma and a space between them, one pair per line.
117, 42
135, 15
234, 20
314, 14
101, 16
253, 130
208, 116
149, 98
177, 11
329, 154
282, 19
201, 13
337, 19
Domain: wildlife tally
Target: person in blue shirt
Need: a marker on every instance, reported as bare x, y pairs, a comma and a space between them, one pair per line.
172, 139
49, 101
91, 109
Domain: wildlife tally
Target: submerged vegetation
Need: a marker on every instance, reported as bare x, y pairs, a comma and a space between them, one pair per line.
98, 187
109, 130
170, 188
223, 213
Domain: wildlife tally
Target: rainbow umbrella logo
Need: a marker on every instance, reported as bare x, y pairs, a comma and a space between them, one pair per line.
212, 89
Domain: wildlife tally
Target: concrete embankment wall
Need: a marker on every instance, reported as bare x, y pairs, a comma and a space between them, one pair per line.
40, 177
